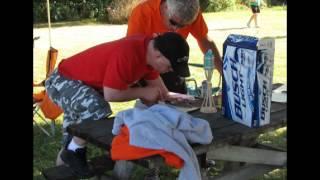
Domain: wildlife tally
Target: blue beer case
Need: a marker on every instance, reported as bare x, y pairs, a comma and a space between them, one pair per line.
247, 79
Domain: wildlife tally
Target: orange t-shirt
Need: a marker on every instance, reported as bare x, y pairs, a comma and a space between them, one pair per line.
146, 19
122, 150
115, 64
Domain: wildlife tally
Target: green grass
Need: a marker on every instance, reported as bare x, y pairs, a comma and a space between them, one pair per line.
45, 149
221, 24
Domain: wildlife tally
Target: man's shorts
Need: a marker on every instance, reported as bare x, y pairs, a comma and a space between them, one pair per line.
255, 9
78, 101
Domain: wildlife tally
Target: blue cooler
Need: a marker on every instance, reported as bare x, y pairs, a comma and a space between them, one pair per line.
247, 79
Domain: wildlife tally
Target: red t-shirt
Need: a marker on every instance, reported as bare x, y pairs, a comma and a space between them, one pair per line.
146, 19
115, 64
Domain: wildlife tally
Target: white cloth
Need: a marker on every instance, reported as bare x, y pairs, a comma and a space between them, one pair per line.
164, 127
280, 94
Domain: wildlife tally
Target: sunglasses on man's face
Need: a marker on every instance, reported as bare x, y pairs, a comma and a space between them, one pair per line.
174, 23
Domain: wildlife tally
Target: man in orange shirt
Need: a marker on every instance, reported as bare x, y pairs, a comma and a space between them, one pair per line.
181, 16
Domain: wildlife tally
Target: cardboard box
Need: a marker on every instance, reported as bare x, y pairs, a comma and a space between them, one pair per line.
247, 79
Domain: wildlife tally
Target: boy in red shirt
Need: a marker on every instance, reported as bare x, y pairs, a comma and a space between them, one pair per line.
83, 84
181, 16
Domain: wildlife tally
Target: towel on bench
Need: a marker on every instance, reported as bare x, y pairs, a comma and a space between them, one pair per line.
160, 127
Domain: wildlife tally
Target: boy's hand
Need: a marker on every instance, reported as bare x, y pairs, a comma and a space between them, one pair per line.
151, 95
177, 97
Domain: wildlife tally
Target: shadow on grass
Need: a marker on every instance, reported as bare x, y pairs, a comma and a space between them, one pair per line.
38, 177
279, 37
45, 149
227, 29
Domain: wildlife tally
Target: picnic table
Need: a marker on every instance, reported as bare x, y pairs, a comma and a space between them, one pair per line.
233, 142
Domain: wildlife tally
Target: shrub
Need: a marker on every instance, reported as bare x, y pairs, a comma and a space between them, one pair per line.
263, 2
277, 2
39, 12
220, 5
61, 10
119, 11
203, 4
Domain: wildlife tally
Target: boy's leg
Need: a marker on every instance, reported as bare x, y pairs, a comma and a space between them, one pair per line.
59, 161
67, 120
85, 104
79, 102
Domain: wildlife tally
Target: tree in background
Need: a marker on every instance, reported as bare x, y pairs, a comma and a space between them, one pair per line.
117, 11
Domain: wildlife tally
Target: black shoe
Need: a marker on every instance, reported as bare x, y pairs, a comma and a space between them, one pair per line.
152, 174
77, 161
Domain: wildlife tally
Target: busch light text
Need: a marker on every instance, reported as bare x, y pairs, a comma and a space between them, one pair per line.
247, 79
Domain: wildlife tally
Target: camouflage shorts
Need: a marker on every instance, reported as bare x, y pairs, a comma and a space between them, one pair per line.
78, 101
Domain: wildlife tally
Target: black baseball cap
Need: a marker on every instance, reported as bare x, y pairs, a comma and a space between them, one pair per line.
175, 48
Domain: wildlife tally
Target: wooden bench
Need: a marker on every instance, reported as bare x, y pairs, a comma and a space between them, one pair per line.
232, 142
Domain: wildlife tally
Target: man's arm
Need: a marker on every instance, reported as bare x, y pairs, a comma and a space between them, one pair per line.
206, 44
137, 22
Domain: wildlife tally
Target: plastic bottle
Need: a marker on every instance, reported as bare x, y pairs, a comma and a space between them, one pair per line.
208, 60
203, 88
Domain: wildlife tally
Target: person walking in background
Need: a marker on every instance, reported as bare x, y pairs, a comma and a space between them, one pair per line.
255, 7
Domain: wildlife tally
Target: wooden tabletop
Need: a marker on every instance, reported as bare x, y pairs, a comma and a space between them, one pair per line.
224, 130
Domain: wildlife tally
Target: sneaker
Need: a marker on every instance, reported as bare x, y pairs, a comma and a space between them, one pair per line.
77, 161
248, 25
152, 174
210, 163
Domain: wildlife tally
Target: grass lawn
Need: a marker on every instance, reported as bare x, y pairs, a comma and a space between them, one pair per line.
72, 39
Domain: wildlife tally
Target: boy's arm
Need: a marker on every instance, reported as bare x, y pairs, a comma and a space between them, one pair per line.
161, 86
150, 94
166, 95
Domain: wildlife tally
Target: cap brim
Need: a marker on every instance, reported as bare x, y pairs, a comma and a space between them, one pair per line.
182, 70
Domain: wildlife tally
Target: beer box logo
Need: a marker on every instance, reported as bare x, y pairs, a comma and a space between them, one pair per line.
237, 70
